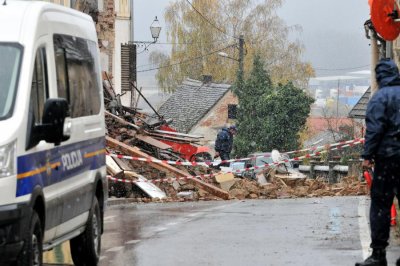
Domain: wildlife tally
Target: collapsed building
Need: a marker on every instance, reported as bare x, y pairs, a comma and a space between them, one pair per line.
149, 160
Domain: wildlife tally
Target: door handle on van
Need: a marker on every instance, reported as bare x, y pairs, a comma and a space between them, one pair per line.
67, 130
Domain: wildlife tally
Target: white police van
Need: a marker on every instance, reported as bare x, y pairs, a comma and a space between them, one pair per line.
53, 184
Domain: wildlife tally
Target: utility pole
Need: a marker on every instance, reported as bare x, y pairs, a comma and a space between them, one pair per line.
241, 57
374, 61
337, 99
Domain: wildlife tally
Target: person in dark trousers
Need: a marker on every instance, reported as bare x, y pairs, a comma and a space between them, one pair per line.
224, 144
382, 149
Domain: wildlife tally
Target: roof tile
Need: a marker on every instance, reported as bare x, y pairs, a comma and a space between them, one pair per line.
191, 102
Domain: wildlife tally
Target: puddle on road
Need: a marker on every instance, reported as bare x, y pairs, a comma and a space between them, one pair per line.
334, 222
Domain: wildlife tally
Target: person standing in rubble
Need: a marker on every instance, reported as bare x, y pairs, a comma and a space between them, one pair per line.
382, 148
224, 144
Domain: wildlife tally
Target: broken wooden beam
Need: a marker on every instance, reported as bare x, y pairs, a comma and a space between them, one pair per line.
122, 121
134, 151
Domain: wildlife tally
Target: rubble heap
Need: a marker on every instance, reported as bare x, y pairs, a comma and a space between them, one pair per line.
129, 132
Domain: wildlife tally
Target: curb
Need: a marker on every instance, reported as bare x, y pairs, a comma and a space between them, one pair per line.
120, 201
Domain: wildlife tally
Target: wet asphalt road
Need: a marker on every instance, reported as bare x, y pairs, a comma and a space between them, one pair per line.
323, 232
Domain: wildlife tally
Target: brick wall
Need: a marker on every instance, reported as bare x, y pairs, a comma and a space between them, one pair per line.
105, 28
215, 119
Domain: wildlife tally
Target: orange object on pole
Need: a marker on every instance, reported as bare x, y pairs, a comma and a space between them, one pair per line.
393, 215
368, 178
393, 211
384, 14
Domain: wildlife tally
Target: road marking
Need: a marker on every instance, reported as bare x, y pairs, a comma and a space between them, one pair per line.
115, 249
365, 236
131, 242
160, 229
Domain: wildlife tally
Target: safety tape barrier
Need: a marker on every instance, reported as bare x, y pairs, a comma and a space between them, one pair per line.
335, 146
328, 146
160, 180
238, 171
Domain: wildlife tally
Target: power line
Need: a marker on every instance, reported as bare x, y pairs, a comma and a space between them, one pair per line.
152, 64
186, 61
209, 22
341, 69
185, 43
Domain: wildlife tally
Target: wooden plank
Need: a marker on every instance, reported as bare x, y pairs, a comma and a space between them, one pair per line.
113, 168
178, 134
153, 142
171, 138
133, 151
149, 188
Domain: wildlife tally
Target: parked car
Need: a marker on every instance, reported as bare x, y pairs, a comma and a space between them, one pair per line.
260, 159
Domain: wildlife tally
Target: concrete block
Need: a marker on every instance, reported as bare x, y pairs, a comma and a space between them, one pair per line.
220, 178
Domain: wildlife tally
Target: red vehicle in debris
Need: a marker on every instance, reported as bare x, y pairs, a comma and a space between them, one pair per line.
184, 144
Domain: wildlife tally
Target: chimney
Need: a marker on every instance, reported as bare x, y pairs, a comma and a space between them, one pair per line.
207, 79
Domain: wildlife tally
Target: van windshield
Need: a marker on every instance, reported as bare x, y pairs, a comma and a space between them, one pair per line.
9, 72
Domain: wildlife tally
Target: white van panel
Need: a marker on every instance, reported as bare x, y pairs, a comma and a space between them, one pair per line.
8, 188
10, 22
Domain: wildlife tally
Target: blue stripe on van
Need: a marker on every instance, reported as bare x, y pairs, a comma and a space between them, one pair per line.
52, 166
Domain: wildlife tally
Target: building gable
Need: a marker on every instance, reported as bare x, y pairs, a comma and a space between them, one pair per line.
191, 102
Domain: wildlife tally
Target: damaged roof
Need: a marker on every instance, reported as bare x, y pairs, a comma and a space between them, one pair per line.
360, 108
191, 102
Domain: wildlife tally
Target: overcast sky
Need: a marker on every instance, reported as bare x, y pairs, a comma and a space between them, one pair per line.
332, 33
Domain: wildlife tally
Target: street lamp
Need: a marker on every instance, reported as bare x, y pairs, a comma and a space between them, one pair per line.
222, 54
241, 57
155, 29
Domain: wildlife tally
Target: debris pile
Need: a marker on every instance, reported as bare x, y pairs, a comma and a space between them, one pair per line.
132, 133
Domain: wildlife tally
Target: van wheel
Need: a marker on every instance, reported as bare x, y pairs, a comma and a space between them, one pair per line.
85, 248
32, 250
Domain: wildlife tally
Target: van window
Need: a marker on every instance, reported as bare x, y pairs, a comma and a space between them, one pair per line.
77, 72
11, 55
39, 91
61, 72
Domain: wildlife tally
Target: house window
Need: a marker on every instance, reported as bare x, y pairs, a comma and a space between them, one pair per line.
232, 111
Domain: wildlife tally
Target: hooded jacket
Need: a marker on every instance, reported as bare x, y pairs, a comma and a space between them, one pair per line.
224, 141
382, 139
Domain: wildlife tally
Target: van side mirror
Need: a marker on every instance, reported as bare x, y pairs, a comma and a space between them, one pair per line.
52, 128
54, 113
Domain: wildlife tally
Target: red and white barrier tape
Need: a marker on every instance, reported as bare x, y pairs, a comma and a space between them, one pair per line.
161, 180
335, 146
328, 146
307, 156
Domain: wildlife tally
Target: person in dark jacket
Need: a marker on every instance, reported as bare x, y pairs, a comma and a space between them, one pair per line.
224, 144
382, 149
